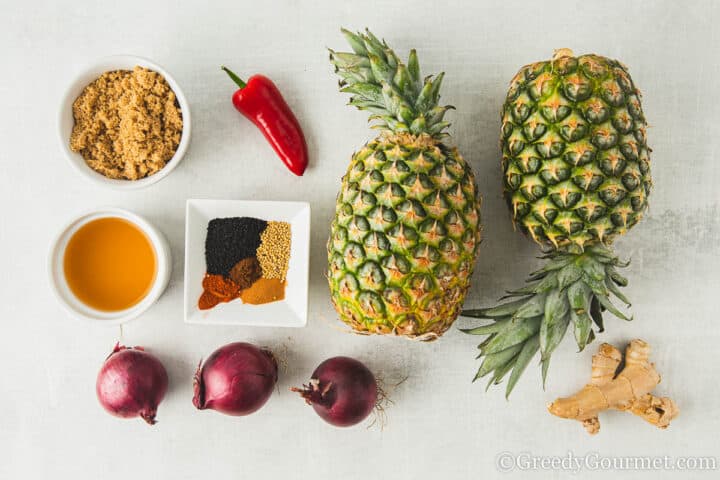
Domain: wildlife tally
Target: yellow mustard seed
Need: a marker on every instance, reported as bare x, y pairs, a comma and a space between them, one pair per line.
274, 250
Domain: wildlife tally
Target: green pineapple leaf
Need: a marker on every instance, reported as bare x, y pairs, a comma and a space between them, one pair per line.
567, 290
487, 329
493, 361
529, 349
382, 84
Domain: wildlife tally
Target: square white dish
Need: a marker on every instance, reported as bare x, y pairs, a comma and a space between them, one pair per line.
292, 311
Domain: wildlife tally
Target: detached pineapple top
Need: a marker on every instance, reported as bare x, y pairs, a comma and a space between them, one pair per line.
392, 91
575, 156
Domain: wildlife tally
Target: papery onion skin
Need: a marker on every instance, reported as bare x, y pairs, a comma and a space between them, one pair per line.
131, 383
342, 390
236, 379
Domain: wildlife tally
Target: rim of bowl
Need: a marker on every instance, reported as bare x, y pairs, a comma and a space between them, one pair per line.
77, 308
75, 88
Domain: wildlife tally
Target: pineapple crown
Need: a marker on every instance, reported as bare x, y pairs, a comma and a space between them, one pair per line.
570, 291
395, 94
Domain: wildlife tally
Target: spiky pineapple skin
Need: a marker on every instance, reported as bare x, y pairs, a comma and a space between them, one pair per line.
404, 238
575, 157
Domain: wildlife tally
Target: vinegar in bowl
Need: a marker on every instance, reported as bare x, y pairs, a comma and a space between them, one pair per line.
110, 264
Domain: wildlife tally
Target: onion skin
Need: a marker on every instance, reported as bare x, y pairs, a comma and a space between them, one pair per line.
131, 383
237, 379
342, 390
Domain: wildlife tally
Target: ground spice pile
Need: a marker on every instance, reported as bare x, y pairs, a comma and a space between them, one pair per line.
245, 258
246, 272
127, 124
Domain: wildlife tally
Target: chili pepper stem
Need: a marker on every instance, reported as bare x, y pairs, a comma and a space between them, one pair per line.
234, 77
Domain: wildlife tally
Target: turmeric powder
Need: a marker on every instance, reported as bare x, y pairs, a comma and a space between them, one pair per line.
264, 290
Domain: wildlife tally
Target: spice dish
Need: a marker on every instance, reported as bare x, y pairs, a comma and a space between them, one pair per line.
65, 283
246, 258
66, 120
209, 268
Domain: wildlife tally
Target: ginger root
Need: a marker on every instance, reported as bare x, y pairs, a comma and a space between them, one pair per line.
627, 390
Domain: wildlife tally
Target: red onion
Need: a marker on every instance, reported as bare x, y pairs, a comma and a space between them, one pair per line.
236, 379
131, 383
342, 391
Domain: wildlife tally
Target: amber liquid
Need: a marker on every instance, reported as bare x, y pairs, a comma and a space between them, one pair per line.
110, 264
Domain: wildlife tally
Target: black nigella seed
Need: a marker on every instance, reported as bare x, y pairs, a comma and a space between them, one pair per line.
230, 240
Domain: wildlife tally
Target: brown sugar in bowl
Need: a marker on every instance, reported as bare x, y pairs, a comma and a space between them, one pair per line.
66, 120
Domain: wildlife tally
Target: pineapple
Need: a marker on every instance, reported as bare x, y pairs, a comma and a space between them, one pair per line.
406, 230
576, 175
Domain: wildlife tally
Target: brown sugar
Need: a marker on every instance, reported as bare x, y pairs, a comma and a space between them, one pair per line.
127, 124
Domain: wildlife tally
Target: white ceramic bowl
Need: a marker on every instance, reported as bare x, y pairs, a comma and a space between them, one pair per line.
77, 308
66, 120
292, 311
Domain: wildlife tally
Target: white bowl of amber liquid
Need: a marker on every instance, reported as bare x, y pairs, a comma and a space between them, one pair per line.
109, 266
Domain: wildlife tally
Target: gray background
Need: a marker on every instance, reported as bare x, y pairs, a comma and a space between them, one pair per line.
440, 424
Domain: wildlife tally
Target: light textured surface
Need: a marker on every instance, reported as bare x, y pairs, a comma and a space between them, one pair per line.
440, 425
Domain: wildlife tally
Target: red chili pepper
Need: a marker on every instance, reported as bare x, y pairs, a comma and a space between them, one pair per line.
261, 102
